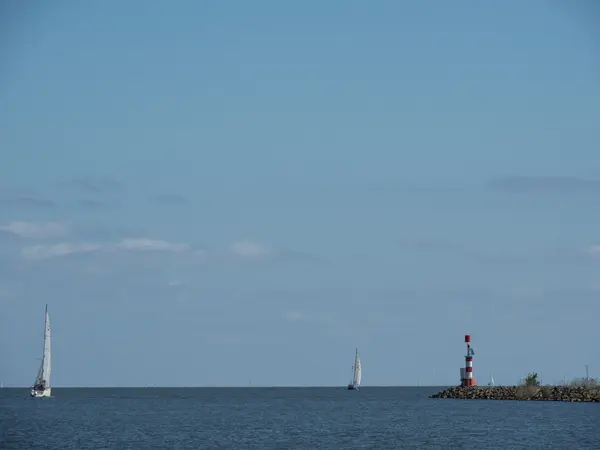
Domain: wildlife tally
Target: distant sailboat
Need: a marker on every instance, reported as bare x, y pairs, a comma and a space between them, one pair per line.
356, 373
41, 387
491, 383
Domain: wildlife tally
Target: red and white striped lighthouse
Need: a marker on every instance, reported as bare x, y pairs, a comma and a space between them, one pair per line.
467, 373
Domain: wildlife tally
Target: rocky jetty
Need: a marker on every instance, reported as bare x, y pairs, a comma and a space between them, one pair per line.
548, 393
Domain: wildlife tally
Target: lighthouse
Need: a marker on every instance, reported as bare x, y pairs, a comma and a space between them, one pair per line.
466, 372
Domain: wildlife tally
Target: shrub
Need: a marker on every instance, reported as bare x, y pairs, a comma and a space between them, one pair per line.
532, 380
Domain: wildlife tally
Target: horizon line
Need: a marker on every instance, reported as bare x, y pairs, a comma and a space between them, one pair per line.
233, 387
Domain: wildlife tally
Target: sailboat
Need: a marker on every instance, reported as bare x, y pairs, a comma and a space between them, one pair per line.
491, 383
356, 373
41, 387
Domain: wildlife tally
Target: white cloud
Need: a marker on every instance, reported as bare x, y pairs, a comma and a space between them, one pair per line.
36, 230
243, 250
248, 250
594, 250
37, 252
150, 245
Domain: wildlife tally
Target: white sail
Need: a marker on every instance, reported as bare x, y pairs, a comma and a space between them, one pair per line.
357, 370
40, 375
47, 359
43, 375
358, 375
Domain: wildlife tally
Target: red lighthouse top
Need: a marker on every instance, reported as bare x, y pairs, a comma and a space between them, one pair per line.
467, 338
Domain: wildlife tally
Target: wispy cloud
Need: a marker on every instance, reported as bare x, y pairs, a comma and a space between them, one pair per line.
443, 247
91, 241
429, 245
227, 339
16, 191
92, 204
594, 250
76, 232
543, 184
33, 230
141, 244
246, 250
295, 316
93, 185
251, 251
27, 202
39, 252
319, 319
168, 199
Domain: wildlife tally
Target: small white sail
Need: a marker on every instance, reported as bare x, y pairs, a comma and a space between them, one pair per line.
41, 386
357, 371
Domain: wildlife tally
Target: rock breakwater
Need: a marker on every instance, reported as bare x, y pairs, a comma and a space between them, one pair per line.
548, 393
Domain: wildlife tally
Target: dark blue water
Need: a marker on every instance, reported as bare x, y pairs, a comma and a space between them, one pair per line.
288, 418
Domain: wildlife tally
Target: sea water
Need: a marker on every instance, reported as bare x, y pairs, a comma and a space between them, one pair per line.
287, 418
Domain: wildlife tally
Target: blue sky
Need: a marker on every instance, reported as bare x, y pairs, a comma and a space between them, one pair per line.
223, 192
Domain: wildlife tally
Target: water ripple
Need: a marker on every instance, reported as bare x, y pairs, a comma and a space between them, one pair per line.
312, 418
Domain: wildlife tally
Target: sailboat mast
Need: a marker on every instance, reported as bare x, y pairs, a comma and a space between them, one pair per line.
354, 372
45, 328
46, 356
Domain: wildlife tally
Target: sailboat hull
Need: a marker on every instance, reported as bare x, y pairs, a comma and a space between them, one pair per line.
39, 394
352, 387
